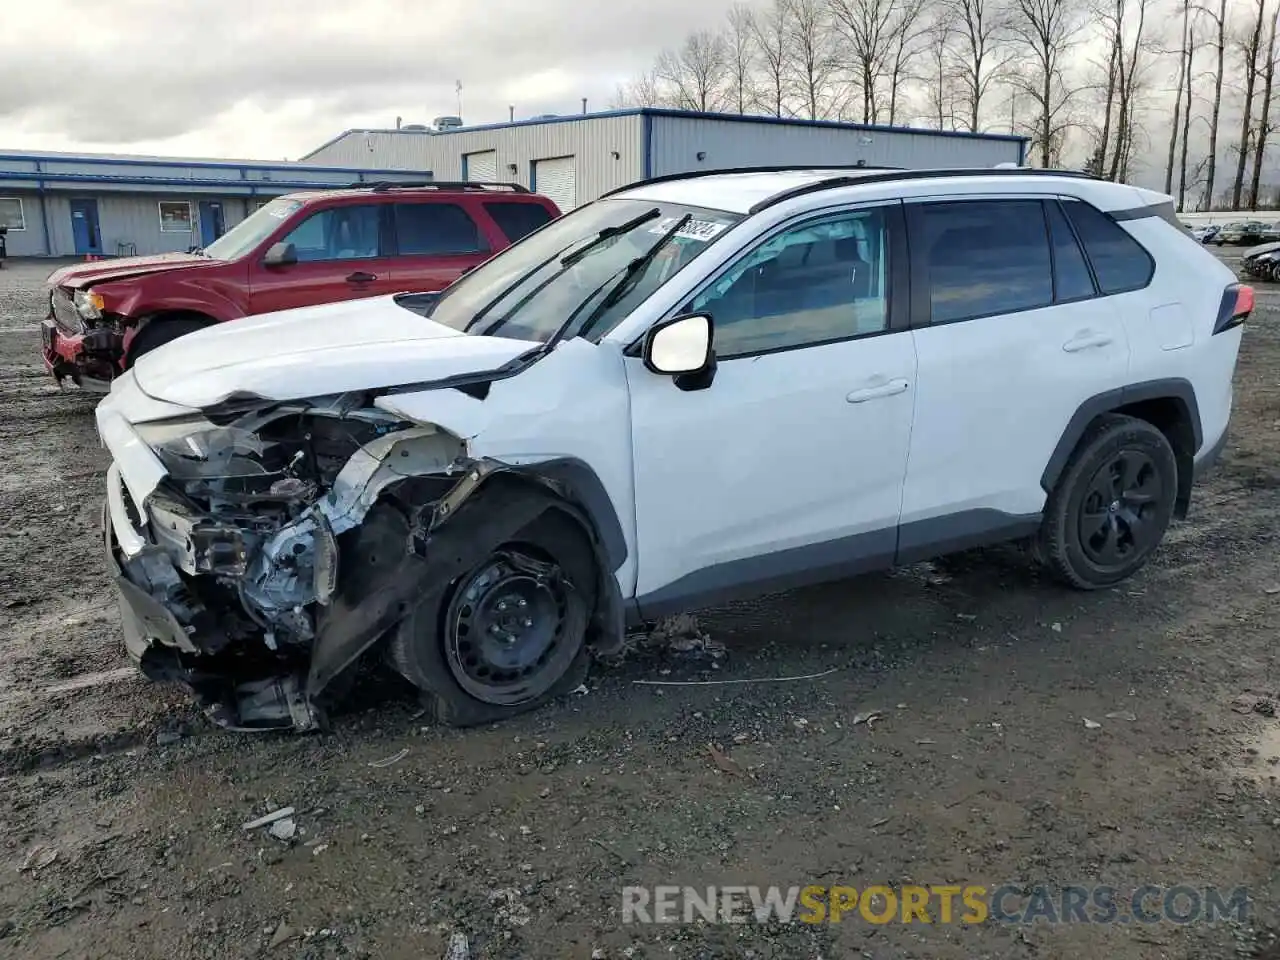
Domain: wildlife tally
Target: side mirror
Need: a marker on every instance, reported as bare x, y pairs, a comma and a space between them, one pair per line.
682, 348
280, 255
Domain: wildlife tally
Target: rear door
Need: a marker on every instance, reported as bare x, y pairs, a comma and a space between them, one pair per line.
437, 240
343, 254
1011, 338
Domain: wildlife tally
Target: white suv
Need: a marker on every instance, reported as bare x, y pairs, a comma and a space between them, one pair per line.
692, 389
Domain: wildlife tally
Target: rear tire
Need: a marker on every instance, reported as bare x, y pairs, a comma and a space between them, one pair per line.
1112, 504
159, 332
509, 634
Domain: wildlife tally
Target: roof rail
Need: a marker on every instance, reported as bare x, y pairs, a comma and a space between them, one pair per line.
874, 176
382, 186
786, 168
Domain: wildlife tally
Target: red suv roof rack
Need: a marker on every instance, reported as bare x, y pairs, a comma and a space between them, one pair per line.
382, 186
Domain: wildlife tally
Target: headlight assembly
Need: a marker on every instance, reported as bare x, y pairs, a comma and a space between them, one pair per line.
192, 448
88, 304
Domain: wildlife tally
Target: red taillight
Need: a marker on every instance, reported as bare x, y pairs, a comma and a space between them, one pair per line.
1236, 305
1244, 301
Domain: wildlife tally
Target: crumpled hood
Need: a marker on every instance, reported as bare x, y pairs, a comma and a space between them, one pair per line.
81, 275
316, 351
1260, 248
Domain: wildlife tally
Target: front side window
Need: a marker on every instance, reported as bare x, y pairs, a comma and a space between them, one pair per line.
175, 216
338, 233
584, 272
984, 257
11, 214
436, 229
814, 283
1119, 262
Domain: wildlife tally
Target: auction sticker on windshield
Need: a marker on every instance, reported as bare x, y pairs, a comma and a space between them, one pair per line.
702, 230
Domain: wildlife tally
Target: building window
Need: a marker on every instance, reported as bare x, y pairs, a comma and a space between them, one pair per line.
11, 216
175, 216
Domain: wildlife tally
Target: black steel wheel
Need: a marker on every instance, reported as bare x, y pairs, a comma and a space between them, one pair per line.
508, 631
1112, 504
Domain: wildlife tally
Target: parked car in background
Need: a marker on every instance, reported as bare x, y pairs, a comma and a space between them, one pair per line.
1206, 234
592, 429
1250, 231
298, 250
1262, 261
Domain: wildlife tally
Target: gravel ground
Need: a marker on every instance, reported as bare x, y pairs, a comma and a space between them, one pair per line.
121, 808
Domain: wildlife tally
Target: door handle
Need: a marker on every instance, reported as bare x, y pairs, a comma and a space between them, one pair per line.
1087, 340
361, 277
892, 388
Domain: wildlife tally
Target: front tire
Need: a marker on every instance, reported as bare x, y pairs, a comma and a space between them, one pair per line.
1112, 504
159, 332
510, 633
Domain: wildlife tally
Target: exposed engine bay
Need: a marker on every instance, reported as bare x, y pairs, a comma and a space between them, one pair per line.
246, 534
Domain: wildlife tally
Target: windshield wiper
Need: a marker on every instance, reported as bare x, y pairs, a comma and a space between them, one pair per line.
608, 233
635, 270
631, 274
566, 261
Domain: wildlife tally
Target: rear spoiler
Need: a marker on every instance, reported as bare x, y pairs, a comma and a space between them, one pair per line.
1165, 210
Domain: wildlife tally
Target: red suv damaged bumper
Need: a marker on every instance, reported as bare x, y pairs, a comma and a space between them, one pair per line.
90, 356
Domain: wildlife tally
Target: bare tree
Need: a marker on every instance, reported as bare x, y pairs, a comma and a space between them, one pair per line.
1129, 80
982, 25
1047, 31
643, 91
740, 46
1177, 101
1218, 42
696, 73
774, 49
1251, 54
1188, 75
813, 63
906, 43
867, 29
1264, 124
941, 78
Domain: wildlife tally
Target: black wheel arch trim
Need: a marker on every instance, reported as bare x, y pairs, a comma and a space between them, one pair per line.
1173, 388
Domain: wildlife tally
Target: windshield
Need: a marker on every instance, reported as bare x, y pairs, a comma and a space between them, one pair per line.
245, 236
571, 267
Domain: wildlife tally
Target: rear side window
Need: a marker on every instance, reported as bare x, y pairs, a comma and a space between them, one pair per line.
517, 220
1071, 274
436, 229
1119, 262
984, 257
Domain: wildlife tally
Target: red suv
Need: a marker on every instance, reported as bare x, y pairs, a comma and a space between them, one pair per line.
307, 248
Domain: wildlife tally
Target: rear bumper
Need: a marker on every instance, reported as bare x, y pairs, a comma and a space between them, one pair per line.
1208, 458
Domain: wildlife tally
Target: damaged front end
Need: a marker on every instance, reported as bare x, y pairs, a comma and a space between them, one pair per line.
225, 535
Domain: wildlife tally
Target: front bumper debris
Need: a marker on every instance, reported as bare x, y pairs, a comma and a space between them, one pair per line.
168, 651
90, 358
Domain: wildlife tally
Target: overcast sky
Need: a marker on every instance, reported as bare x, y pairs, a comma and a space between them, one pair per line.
276, 78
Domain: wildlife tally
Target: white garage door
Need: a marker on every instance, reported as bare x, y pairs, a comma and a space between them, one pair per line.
558, 180
482, 166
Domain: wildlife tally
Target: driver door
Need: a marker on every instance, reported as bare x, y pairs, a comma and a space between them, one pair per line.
343, 254
789, 467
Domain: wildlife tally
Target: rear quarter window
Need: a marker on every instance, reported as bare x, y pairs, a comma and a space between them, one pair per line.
1119, 262
517, 219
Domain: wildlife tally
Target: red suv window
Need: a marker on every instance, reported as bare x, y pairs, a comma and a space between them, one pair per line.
516, 219
436, 229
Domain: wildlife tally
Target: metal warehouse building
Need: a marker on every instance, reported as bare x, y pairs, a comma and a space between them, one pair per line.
66, 205
574, 159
